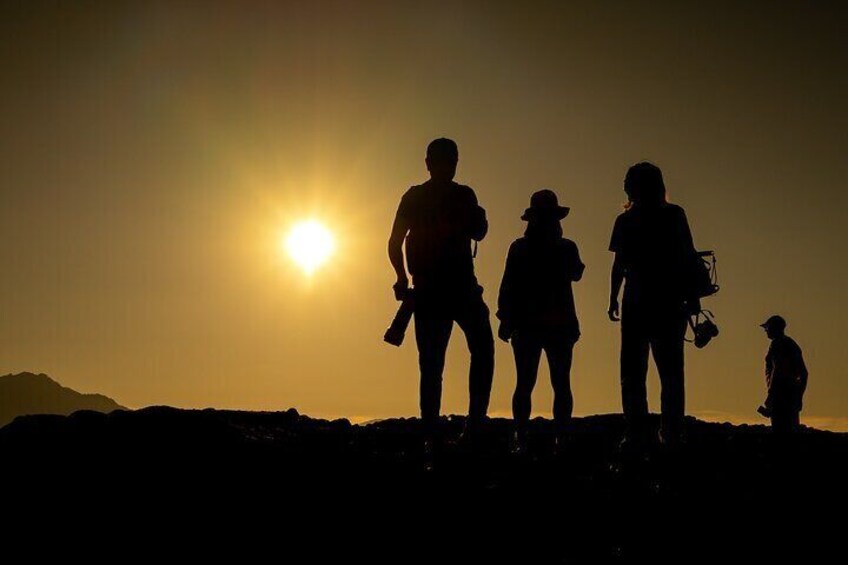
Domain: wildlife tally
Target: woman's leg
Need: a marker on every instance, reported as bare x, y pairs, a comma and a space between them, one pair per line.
527, 350
559, 352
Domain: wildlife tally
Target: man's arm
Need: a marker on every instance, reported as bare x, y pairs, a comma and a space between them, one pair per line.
478, 225
399, 230
802, 372
770, 355
616, 280
769, 372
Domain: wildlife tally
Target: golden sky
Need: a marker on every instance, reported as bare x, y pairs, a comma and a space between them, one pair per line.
154, 154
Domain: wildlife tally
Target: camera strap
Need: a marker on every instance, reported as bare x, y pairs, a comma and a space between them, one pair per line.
695, 319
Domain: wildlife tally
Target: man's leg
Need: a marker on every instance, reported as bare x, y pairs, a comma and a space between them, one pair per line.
779, 423
668, 355
785, 420
432, 333
634, 376
473, 319
795, 421
527, 351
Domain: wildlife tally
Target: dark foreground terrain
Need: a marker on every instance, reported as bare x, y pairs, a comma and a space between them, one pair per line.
222, 483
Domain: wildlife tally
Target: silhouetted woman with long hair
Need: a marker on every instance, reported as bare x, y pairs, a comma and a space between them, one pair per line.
653, 250
537, 313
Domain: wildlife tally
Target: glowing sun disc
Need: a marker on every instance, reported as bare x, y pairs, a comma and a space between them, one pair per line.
310, 244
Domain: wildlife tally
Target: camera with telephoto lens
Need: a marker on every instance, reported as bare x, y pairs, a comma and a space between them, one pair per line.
703, 328
397, 330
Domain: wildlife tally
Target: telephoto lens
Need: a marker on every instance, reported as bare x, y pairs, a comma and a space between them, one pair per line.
397, 330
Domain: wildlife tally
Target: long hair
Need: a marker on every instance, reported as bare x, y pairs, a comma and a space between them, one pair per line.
644, 185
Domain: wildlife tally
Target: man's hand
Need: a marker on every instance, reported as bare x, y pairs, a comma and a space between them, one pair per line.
400, 288
505, 332
612, 312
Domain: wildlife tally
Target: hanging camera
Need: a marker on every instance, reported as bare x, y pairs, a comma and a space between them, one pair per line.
705, 283
703, 327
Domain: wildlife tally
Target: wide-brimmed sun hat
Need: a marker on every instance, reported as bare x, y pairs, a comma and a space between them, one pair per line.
544, 204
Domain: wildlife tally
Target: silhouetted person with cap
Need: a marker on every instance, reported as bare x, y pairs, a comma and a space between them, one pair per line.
786, 378
654, 254
438, 221
537, 313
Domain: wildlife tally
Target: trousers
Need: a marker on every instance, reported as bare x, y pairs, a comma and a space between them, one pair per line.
527, 347
661, 332
435, 314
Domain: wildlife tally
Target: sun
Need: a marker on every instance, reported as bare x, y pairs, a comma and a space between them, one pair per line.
310, 244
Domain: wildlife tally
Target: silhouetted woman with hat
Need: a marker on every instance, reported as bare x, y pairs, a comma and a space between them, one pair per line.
536, 310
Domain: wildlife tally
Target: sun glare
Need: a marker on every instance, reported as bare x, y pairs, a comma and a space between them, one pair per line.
310, 244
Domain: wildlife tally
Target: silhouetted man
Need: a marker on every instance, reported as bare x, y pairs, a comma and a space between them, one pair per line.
438, 220
654, 253
786, 378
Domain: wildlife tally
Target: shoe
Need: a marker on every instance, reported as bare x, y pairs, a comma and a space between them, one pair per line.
470, 433
429, 454
632, 455
671, 440
518, 444
561, 445
630, 444
764, 411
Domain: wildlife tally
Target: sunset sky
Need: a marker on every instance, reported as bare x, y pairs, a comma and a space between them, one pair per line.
154, 156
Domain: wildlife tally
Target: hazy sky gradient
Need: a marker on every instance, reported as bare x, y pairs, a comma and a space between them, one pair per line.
154, 154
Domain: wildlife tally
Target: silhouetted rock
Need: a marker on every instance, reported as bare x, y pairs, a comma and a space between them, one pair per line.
27, 394
363, 492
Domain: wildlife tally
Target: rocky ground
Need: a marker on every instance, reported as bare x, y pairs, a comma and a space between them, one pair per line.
199, 479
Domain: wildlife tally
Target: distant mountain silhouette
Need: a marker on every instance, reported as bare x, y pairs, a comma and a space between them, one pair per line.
27, 394
285, 482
